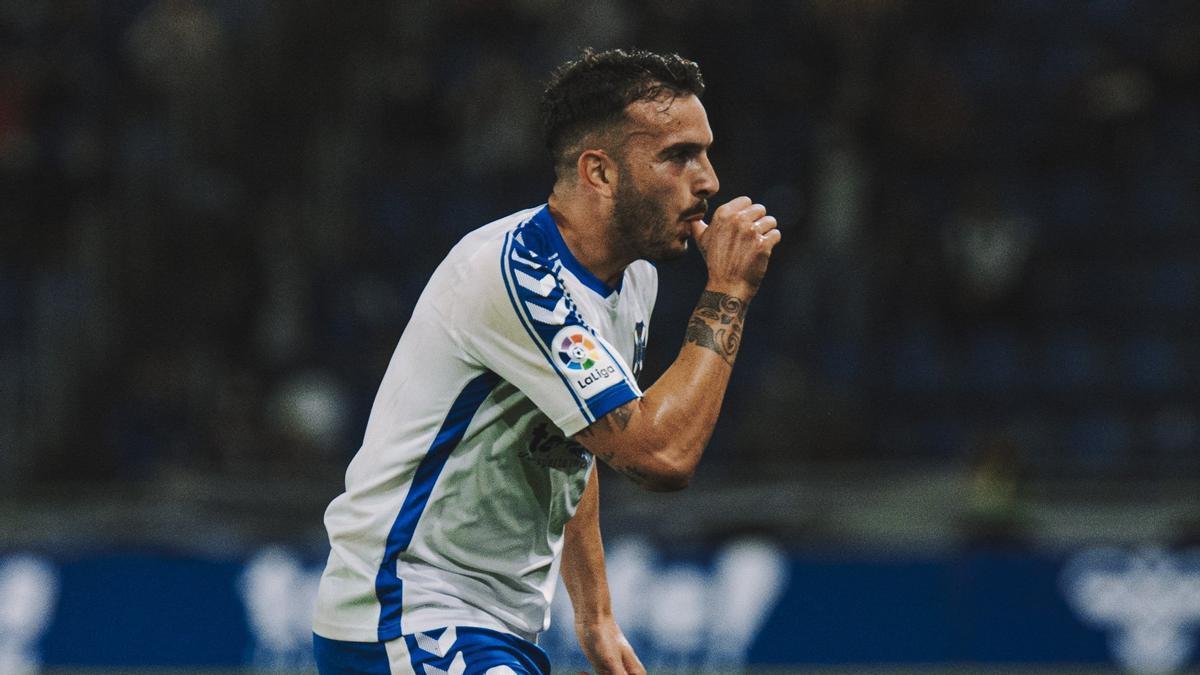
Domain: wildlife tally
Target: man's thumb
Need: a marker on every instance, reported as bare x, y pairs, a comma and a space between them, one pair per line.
698, 228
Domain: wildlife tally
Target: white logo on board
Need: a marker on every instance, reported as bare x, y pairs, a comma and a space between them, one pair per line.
28, 597
1147, 600
279, 595
697, 618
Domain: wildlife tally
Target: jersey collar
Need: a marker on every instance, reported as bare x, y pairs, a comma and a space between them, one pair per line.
544, 221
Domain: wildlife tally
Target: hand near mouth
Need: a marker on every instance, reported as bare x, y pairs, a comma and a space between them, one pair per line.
737, 246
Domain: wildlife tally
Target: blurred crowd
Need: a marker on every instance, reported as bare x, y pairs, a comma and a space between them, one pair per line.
216, 216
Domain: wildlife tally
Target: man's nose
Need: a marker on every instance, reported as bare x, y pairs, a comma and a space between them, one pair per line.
707, 184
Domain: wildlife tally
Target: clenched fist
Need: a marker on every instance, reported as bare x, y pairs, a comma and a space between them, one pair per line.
736, 246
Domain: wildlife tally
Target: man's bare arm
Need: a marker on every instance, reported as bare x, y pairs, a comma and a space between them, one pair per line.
658, 440
584, 576
614, 422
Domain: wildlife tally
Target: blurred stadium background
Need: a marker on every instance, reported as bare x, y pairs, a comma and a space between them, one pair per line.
962, 437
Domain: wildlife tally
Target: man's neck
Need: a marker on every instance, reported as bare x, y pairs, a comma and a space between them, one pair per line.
588, 239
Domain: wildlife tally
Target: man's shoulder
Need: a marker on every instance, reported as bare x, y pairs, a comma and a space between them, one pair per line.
472, 276
477, 256
492, 236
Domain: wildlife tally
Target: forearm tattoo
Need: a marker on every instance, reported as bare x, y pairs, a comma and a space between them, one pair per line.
631, 472
618, 418
716, 324
621, 414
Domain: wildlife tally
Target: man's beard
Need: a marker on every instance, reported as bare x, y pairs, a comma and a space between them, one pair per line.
642, 226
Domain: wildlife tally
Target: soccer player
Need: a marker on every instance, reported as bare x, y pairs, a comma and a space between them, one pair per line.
476, 479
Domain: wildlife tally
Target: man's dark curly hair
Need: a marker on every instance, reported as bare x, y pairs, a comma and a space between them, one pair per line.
592, 92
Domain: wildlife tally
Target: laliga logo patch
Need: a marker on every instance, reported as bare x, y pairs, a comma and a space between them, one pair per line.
577, 351
583, 360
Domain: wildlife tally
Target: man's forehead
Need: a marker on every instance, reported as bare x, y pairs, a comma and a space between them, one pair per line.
668, 117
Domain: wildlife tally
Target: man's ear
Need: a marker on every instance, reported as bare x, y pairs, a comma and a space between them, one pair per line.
597, 172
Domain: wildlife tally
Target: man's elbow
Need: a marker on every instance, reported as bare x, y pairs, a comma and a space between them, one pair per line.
672, 483
667, 477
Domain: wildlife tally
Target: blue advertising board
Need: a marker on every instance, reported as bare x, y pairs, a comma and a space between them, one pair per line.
747, 603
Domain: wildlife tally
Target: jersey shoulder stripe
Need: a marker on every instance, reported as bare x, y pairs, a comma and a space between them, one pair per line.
530, 305
532, 266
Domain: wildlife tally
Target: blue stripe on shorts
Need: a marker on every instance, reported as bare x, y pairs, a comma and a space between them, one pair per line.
458, 649
335, 657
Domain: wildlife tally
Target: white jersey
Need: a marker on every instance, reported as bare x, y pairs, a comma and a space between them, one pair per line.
454, 506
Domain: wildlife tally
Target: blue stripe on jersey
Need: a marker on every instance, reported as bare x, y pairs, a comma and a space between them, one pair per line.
389, 586
545, 222
541, 333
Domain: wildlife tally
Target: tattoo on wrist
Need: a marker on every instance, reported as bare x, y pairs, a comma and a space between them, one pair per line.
716, 324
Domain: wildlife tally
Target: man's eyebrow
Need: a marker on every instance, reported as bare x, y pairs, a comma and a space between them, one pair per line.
682, 148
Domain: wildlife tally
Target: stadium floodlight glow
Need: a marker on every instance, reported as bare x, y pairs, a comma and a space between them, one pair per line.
1148, 599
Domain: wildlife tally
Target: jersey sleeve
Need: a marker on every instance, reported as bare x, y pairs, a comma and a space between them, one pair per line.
528, 332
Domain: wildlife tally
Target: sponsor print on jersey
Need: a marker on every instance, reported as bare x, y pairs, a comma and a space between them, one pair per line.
586, 365
549, 449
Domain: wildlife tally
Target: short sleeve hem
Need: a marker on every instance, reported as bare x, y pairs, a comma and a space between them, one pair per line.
617, 395
598, 406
